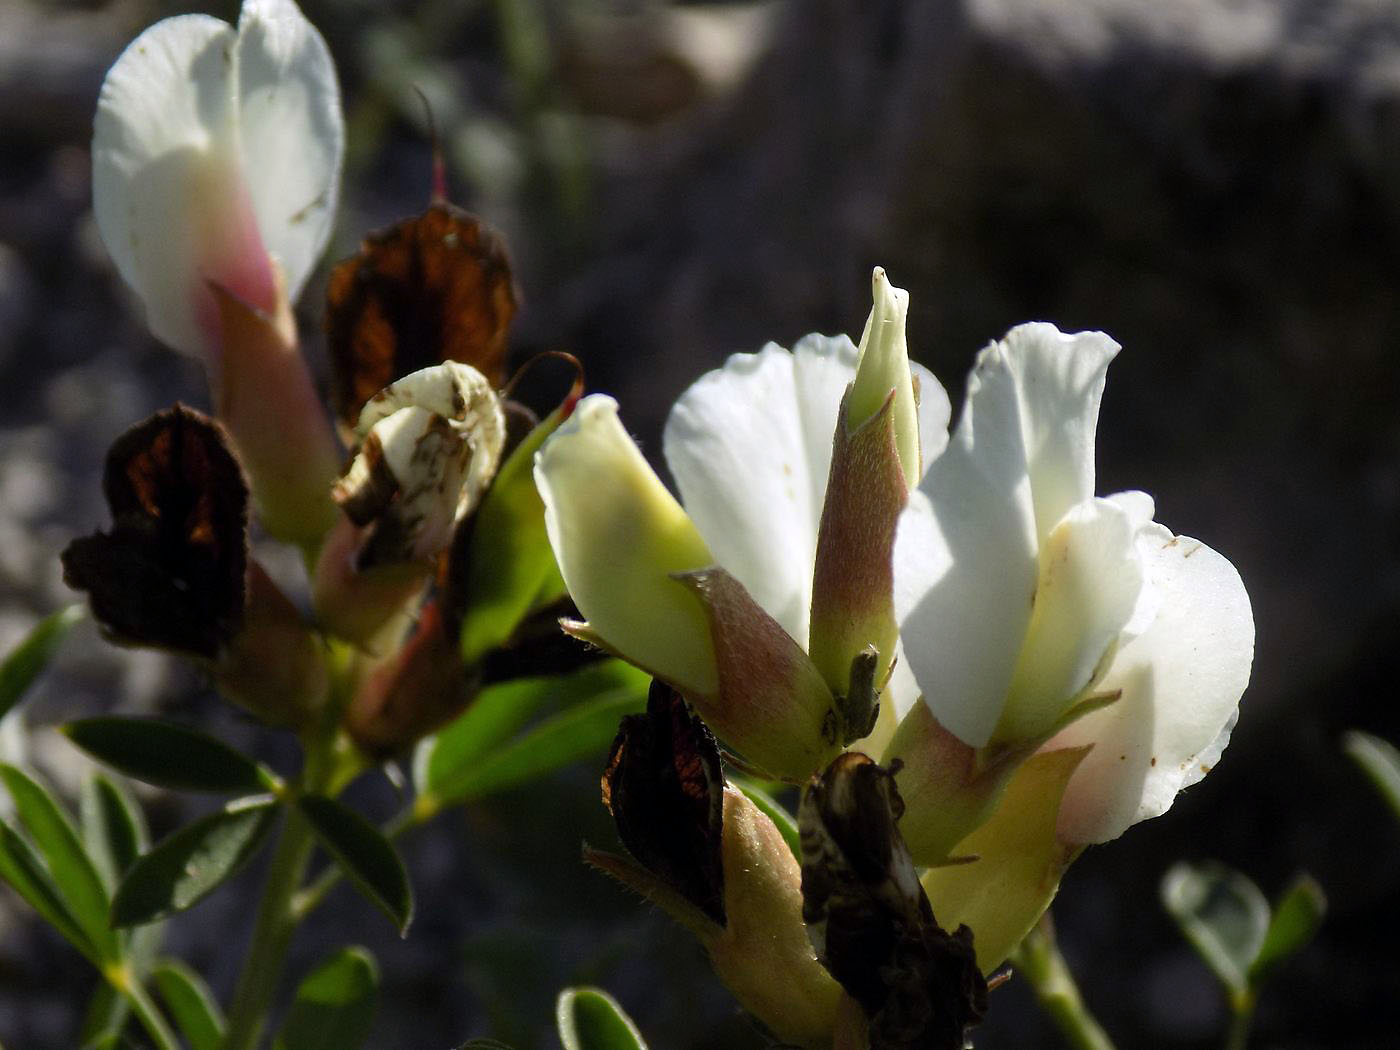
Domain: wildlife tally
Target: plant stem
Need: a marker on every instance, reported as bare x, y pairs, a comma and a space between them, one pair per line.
272, 933
145, 1009
1040, 962
1241, 1015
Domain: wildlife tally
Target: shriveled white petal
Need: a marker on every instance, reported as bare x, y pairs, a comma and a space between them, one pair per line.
1058, 378
1181, 683
965, 563
750, 448
164, 126
1091, 577
618, 535
293, 137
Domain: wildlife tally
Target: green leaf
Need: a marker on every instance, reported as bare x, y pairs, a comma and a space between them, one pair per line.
183, 868
106, 1015
511, 569
74, 874
775, 812
26, 661
582, 730
500, 710
591, 1019
366, 855
334, 1006
1297, 917
1222, 914
170, 756
21, 867
190, 1004
114, 830
1380, 761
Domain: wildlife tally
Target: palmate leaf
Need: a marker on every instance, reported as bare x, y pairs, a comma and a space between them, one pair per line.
74, 876
334, 1005
26, 661
591, 1019
361, 849
192, 862
1224, 916
170, 756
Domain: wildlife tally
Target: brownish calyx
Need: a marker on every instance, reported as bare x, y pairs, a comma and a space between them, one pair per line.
870, 920
433, 288
171, 573
665, 789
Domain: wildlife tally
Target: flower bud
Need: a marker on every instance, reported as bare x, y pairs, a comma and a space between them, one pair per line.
883, 374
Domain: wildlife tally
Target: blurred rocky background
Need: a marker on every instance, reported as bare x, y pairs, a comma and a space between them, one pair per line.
1216, 183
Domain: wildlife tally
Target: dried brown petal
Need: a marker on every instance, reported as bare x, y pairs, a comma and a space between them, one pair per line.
171, 571
870, 920
433, 288
664, 787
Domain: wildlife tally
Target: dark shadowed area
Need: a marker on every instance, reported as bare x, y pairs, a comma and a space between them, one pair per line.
1214, 183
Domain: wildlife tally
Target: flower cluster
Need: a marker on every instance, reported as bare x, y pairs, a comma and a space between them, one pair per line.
1038, 666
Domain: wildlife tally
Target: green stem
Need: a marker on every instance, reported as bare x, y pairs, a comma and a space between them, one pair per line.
1241, 1015
1039, 960
272, 932
145, 1009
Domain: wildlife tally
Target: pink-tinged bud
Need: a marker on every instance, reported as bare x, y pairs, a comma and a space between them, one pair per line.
267, 400
419, 689
370, 607
275, 666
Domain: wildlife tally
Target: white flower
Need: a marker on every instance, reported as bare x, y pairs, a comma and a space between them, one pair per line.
215, 151
750, 447
1020, 594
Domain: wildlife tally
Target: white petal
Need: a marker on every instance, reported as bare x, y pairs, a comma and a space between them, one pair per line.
750, 448
965, 563
1091, 578
164, 112
617, 535
292, 133
1181, 681
1058, 381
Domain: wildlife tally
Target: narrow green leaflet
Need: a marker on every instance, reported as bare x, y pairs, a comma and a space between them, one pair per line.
591, 1019
582, 730
73, 872
23, 664
334, 1006
169, 755
511, 569
113, 828
192, 862
500, 710
1297, 917
21, 867
366, 855
1380, 761
774, 811
1224, 916
189, 1003
107, 1012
